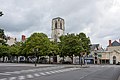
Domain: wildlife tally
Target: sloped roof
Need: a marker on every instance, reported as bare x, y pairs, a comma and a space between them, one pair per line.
94, 46
115, 43
58, 18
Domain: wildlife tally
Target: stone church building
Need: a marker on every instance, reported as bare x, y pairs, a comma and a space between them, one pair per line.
58, 28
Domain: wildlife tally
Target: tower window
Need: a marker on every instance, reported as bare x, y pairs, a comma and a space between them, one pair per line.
60, 25
56, 25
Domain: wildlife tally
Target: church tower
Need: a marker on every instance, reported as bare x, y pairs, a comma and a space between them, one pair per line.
58, 28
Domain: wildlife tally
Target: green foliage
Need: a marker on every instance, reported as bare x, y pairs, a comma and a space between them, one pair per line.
2, 37
14, 49
85, 42
72, 44
53, 49
69, 45
4, 50
38, 41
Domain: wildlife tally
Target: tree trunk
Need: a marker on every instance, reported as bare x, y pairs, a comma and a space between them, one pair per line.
10, 58
63, 58
26, 59
3, 58
37, 59
17, 59
79, 59
49, 60
72, 59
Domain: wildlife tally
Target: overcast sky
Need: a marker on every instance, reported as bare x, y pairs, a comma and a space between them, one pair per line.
99, 19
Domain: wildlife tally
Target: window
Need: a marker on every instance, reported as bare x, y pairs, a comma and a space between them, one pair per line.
95, 57
56, 25
60, 25
99, 55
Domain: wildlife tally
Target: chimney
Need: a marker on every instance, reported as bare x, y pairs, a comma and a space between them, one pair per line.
23, 37
110, 43
15, 39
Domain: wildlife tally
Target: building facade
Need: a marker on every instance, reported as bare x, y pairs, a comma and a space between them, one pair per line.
11, 41
111, 55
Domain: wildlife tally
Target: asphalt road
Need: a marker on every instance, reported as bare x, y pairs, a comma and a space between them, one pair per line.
58, 72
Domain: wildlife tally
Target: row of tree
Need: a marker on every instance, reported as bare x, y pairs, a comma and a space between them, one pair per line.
38, 44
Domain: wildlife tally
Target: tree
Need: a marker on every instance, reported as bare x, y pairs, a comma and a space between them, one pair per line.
52, 50
37, 41
2, 37
85, 42
14, 51
70, 45
4, 51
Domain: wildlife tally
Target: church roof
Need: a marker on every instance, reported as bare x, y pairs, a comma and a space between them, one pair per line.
94, 47
58, 18
115, 43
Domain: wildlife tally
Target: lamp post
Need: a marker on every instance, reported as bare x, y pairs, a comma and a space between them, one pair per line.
96, 57
35, 50
81, 58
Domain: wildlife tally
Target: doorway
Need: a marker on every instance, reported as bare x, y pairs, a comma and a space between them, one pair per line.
114, 59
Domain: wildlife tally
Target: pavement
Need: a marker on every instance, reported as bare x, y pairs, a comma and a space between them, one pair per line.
15, 71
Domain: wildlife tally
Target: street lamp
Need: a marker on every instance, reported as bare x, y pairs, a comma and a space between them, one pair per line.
81, 58
95, 53
35, 50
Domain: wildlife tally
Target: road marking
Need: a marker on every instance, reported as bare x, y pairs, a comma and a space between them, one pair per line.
36, 74
47, 72
42, 73
12, 78
52, 71
21, 77
29, 76
56, 71
4, 79
28, 70
4, 74
15, 72
60, 70
31, 70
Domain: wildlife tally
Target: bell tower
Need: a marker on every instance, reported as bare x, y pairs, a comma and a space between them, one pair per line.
58, 28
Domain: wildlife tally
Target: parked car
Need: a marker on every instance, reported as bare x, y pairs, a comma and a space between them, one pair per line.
43, 60
118, 63
65, 62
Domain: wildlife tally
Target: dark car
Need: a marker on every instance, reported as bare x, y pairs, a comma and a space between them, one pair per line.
43, 60
118, 63
66, 62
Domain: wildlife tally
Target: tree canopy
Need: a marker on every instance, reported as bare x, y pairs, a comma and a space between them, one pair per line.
2, 37
37, 41
69, 45
72, 44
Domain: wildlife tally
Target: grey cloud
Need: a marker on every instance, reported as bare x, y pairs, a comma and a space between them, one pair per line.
97, 18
